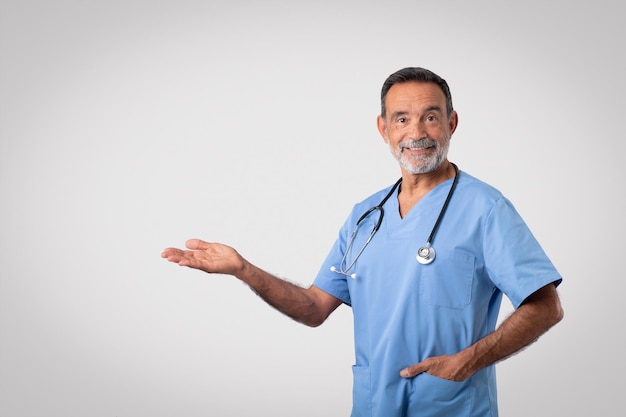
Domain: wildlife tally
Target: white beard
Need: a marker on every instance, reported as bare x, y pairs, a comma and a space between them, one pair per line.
421, 164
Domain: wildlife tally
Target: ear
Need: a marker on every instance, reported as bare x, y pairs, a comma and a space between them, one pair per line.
454, 122
382, 128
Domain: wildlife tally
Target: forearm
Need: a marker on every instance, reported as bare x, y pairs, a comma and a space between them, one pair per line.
292, 300
310, 306
533, 318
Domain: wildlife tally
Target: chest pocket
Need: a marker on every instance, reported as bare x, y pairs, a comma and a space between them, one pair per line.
447, 282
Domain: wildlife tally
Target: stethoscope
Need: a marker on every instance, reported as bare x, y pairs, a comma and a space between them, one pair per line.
425, 254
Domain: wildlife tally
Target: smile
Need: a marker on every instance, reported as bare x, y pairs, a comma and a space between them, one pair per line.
418, 145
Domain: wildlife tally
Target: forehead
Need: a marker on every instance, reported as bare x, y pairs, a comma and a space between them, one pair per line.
414, 94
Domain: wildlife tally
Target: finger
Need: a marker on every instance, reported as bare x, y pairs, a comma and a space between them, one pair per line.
411, 371
172, 255
196, 244
170, 252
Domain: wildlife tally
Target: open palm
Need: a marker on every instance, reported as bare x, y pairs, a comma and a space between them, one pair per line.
208, 257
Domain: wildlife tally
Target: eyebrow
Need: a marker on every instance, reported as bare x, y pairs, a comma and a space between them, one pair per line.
397, 114
426, 110
433, 108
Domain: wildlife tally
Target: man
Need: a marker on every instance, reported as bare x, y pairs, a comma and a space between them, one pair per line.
423, 264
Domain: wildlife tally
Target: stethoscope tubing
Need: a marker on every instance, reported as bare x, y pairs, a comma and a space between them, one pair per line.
425, 254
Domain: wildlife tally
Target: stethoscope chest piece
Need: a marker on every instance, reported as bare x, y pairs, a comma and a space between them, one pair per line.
425, 254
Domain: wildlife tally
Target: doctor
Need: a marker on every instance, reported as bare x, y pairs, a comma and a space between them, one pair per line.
425, 329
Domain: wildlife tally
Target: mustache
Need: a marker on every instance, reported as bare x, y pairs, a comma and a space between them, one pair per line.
418, 143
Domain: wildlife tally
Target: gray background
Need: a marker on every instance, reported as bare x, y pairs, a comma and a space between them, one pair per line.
130, 126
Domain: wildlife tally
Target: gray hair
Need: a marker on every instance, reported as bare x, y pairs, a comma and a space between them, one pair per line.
419, 75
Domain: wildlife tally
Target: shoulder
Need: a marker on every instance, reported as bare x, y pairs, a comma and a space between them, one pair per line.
478, 191
376, 198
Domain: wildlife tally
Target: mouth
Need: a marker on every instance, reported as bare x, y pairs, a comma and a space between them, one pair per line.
419, 146
416, 148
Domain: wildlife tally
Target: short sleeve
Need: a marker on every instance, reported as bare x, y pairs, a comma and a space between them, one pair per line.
332, 282
515, 261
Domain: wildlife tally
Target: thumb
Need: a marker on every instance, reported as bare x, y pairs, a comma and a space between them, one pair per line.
196, 244
411, 371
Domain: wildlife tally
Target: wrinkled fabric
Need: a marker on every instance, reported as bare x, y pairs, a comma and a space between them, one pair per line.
405, 312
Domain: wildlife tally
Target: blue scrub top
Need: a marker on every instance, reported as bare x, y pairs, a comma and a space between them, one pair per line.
405, 312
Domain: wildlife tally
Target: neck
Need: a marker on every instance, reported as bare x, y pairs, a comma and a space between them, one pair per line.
416, 186
417, 183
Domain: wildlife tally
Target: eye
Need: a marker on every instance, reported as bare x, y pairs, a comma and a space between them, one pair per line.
432, 119
401, 120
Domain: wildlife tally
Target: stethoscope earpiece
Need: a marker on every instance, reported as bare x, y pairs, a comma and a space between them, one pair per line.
353, 276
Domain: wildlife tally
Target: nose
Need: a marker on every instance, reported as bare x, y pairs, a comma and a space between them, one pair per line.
416, 129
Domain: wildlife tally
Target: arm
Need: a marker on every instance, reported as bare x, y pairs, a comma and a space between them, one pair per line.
538, 313
310, 306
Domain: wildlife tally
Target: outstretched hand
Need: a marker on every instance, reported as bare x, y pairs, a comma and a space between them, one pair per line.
207, 257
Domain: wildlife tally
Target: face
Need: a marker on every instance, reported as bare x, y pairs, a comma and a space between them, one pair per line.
416, 126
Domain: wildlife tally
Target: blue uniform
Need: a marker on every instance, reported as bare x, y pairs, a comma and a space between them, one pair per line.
405, 312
